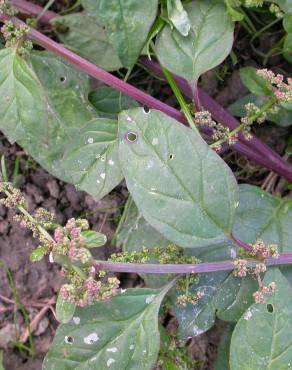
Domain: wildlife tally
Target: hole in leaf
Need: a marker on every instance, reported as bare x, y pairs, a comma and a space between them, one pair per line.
69, 340
146, 109
62, 79
171, 156
270, 308
132, 137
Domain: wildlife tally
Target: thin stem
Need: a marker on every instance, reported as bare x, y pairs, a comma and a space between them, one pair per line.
180, 98
46, 8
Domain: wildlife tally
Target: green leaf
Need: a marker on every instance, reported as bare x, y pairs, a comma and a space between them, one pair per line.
256, 84
262, 216
44, 107
109, 102
191, 202
235, 14
64, 310
83, 35
21, 97
1, 361
135, 232
178, 16
287, 47
207, 44
282, 118
287, 23
225, 296
127, 24
262, 337
222, 359
94, 239
120, 334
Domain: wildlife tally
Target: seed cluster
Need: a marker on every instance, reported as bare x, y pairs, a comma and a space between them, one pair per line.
282, 90
7, 8
16, 37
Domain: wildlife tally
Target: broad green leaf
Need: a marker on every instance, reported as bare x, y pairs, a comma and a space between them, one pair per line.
191, 201
121, 334
222, 359
83, 35
262, 216
45, 108
225, 296
21, 97
94, 239
256, 84
287, 23
207, 44
282, 118
135, 232
127, 24
64, 310
178, 16
109, 102
262, 337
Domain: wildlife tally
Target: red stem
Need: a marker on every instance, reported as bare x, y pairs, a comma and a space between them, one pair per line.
33, 9
151, 268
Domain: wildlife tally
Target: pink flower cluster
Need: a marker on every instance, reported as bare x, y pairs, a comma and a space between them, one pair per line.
282, 90
259, 296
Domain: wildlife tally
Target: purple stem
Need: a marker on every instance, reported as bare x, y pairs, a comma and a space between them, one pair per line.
266, 157
254, 149
151, 268
33, 9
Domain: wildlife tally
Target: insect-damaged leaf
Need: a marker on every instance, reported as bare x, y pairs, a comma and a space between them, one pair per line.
181, 187
126, 22
208, 43
262, 337
121, 334
44, 107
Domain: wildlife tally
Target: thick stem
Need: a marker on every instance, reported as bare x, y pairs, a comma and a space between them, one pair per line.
149, 268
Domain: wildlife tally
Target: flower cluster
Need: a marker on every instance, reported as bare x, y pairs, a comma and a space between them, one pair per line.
184, 299
220, 132
16, 37
253, 3
259, 295
259, 248
14, 198
7, 8
83, 291
240, 268
281, 90
274, 9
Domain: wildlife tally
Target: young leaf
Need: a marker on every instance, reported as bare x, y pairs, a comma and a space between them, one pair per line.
191, 201
120, 334
94, 239
262, 216
285, 5
109, 102
83, 35
178, 16
134, 231
64, 310
256, 84
262, 337
126, 22
207, 44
